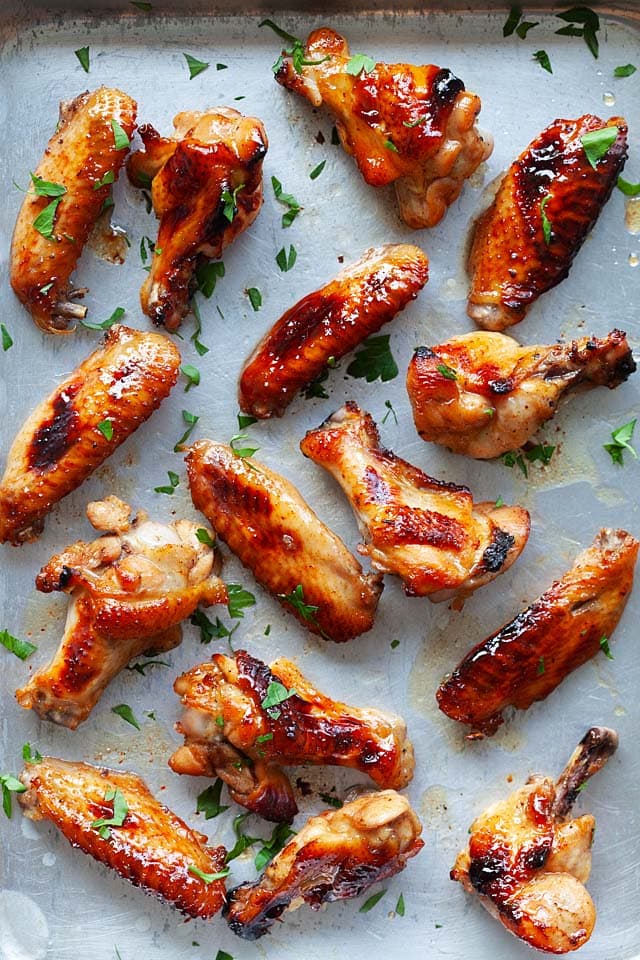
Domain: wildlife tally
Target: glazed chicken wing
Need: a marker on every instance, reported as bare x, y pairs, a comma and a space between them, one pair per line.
229, 733
328, 323
81, 423
482, 394
527, 658
547, 203
528, 862
336, 856
129, 591
112, 816
414, 126
206, 187
82, 159
267, 524
428, 532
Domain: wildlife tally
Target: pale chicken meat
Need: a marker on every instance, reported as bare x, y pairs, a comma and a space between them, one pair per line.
429, 533
112, 816
206, 188
128, 591
81, 162
527, 658
327, 324
413, 126
337, 855
482, 394
92, 411
546, 204
262, 517
528, 861
231, 731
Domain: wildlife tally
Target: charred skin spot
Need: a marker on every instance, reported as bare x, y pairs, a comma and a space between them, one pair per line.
424, 353
485, 871
501, 386
446, 86
494, 557
56, 436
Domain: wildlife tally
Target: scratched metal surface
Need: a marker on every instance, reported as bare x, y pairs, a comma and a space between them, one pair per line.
55, 902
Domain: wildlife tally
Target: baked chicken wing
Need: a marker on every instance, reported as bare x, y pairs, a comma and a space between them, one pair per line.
129, 591
336, 856
231, 734
112, 816
206, 188
414, 126
528, 861
482, 394
327, 324
80, 163
545, 206
428, 532
267, 524
527, 658
81, 423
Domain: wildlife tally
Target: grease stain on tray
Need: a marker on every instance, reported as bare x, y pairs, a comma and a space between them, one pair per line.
24, 931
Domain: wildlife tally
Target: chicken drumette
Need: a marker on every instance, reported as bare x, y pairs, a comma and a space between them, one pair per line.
549, 199
526, 659
112, 816
528, 862
482, 394
267, 524
206, 188
428, 532
129, 591
81, 423
82, 160
414, 126
336, 856
230, 733
328, 323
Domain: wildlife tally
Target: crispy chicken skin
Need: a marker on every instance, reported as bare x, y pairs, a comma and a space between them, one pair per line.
80, 153
482, 394
336, 856
153, 848
129, 591
124, 380
424, 111
267, 524
510, 262
206, 188
229, 734
528, 862
328, 323
527, 658
428, 532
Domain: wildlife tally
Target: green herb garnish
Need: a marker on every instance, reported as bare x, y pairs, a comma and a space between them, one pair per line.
372, 901
293, 207
374, 361
604, 646
360, 63
622, 438
547, 230
230, 199
106, 429
9, 784
447, 372
30, 755
276, 693
21, 648
115, 317
83, 57
242, 452
203, 536
45, 220
208, 274
192, 374
120, 138
315, 173
191, 420
239, 600
625, 71
597, 142
208, 801
124, 711
208, 877
169, 488
255, 297
542, 57
286, 261
7, 339
120, 811
195, 66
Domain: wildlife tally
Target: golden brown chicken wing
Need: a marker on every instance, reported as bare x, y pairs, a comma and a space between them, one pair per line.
81, 423
482, 394
82, 160
414, 126
112, 816
244, 720
547, 203
336, 856
129, 591
328, 323
267, 524
428, 532
528, 862
527, 658
206, 187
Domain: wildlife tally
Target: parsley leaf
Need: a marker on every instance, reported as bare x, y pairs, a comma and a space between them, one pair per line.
255, 298
115, 317
390, 145
315, 388
246, 420
239, 600
45, 188
306, 610
371, 902
400, 906
279, 837
288, 200
203, 536
83, 57
120, 138
604, 646
241, 452
597, 142
625, 71
447, 372
44, 222
331, 801
169, 488
195, 336
243, 840
276, 693
108, 178
622, 438
106, 429
7, 339
540, 669
141, 668
542, 452
542, 57
191, 420
512, 458
590, 26
360, 63
230, 202
296, 52
142, 5
195, 66
284, 261
315, 173
390, 412
374, 360
415, 123
512, 21
208, 274
120, 811
30, 755
523, 28
124, 710
629, 189
207, 877
192, 374
211, 631
21, 648
9, 784
547, 230
208, 801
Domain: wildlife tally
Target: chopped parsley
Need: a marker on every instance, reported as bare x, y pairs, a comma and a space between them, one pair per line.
124, 711
203, 536
7, 339
246, 420
276, 693
542, 57
390, 412
29, 755
255, 297
331, 800
622, 438
83, 58
208, 274
629, 189
390, 145
400, 906
547, 230
142, 668
597, 142
448, 372
296, 52
46, 188
512, 21
120, 811
108, 178
239, 600
512, 458
115, 317
289, 201
9, 784
169, 488
417, 122
315, 388
374, 361
221, 66
45, 220
315, 173
211, 631
541, 453
625, 71
142, 5
243, 840
208, 877
540, 669
106, 429
306, 610
191, 420
394, 644
220, 955
499, 502
589, 29
192, 374
360, 63
279, 837
21, 648
604, 646
120, 138
242, 452
372, 901
208, 801
195, 66
264, 737
230, 199
286, 261
195, 336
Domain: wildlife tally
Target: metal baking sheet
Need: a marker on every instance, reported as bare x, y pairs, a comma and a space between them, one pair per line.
59, 904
